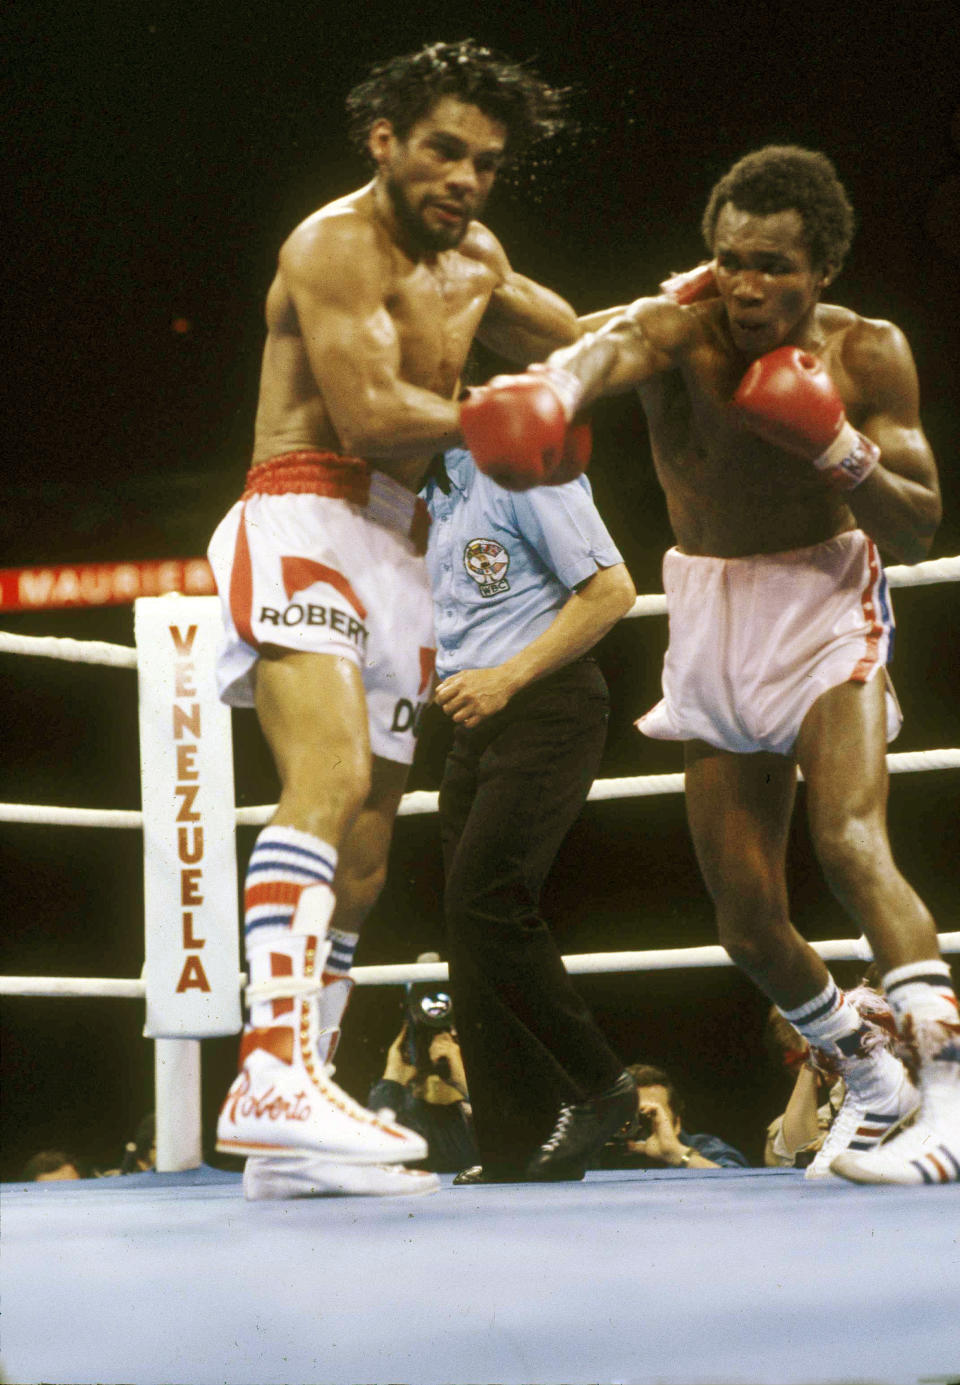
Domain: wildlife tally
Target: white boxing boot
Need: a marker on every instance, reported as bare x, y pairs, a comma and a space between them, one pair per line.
283, 1101
271, 1177
878, 1092
863, 1121
928, 1151
276, 1177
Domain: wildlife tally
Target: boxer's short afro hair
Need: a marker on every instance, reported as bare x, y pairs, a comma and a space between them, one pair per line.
781, 178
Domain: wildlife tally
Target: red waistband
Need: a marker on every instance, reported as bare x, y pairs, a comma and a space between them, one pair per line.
311, 473
343, 478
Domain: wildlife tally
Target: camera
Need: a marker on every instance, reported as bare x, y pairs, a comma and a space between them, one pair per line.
639, 1128
428, 1011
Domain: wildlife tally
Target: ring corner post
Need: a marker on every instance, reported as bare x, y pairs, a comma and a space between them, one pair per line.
176, 1065
192, 939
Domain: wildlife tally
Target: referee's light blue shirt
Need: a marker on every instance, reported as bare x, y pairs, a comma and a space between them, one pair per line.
502, 563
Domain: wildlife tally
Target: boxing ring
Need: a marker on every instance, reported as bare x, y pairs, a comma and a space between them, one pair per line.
682, 1276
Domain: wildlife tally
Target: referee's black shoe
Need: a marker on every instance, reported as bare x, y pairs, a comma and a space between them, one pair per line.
495, 1173
488, 1173
583, 1128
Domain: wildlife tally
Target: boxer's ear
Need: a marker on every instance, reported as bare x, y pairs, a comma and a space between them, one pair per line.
381, 139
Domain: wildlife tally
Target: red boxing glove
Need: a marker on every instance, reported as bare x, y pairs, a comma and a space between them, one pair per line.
692, 285
578, 443
788, 399
516, 426
577, 448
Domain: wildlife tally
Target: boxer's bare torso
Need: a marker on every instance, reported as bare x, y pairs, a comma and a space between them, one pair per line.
729, 494
373, 310
434, 308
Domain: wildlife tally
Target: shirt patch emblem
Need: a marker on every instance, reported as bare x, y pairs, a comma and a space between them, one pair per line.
487, 561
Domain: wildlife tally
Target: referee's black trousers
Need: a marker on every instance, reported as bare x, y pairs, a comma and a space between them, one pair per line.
512, 788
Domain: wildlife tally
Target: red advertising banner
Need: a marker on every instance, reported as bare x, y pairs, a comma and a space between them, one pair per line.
101, 584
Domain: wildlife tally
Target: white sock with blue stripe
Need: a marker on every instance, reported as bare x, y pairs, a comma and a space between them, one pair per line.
842, 1041
337, 986
283, 863
288, 898
829, 1016
923, 1000
921, 989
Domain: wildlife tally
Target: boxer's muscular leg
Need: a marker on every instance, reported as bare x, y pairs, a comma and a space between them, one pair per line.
841, 750
313, 713
364, 851
361, 871
312, 710
739, 809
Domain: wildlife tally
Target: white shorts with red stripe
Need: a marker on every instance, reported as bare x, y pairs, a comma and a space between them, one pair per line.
322, 554
755, 641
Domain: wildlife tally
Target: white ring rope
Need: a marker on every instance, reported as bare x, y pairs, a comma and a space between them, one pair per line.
924, 574
74, 651
421, 801
70, 817
81, 987
397, 974
124, 656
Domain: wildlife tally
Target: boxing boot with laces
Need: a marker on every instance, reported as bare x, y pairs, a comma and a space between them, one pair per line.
283, 1100
878, 1093
928, 1150
582, 1129
862, 1122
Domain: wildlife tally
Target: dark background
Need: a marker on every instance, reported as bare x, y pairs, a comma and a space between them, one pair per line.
159, 153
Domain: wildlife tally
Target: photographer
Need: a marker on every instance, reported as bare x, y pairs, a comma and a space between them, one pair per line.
657, 1138
424, 1083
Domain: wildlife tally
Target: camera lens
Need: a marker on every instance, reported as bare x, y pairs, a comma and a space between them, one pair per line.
436, 1010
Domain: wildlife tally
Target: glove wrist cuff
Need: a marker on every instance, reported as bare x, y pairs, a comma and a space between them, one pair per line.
849, 459
692, 285
565, 385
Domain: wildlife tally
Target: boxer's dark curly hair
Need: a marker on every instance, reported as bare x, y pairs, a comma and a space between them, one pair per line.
784, 177
402, 90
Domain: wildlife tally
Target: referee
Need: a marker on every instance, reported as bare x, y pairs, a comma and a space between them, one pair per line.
524, 585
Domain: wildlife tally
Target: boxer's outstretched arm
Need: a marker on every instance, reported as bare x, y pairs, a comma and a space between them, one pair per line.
689, 286
333, 273
646, 339
518, 426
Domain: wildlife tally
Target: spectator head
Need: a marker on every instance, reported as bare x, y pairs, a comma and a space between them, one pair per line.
51, 1166
653, 1084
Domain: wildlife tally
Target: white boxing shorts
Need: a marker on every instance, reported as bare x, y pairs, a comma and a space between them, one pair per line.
755, 641
324, 554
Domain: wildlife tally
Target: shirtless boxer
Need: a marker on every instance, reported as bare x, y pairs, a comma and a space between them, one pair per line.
376, 301
787, 438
